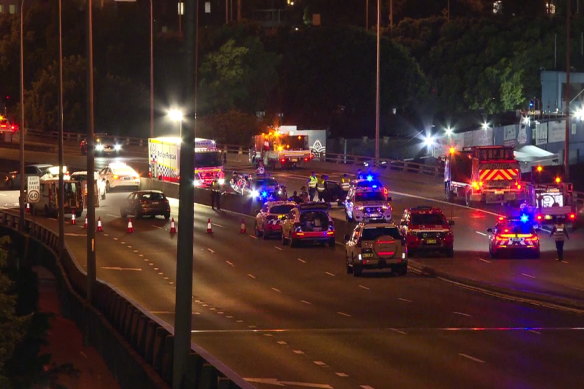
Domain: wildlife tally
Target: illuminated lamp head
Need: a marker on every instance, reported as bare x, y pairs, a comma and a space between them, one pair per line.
558, 180
524, 218
539, 169
452, 150
264, 193
501, 218
369, 178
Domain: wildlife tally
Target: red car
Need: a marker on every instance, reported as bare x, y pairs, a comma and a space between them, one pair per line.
7, 126
269, 218
426, 228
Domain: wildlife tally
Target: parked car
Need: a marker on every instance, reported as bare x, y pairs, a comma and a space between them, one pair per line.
81, 176
146, 202
119, 174
309, 222
427, 229
375, 246
38, 169
513, 237
270, 217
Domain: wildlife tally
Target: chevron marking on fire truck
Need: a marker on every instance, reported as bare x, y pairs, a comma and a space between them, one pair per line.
498, 174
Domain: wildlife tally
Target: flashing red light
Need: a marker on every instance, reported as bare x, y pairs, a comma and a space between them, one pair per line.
539, 217
518, 185
501, 218
306, 159
506, 230
572, 216
283, 160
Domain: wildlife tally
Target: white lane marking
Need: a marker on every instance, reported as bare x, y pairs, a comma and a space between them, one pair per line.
319, 363
277, 382
239, 321
364, 287
230, 263
367, 387
251, 276
481, 233
344, 314
443, 202
342, 374
462, 314
135, 251
121, 242
305, 302
301, 260
484, 260
328, 273
129, 246
211, 250
253, 236
160, 228
217, 225
268, 335
229, 316
527, 275
114, 238
471, 358
73, 234
140, 255
251, 326
278, 248
105, 234
121, 268
399, 331
156, 269
277, 290
298, 352
534, 332
282, 342
112, 215
404, 300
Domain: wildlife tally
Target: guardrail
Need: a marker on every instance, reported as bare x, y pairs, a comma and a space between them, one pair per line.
77, 137
137, 346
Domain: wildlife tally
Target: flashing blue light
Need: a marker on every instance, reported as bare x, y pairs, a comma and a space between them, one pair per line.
264, 193
524, 218
374, 186
370, 178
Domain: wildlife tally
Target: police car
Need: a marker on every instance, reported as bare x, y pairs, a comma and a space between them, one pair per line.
368, 201
514, 236
270, 217
426, 229
263, 189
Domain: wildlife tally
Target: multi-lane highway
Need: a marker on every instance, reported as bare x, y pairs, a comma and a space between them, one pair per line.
291, 316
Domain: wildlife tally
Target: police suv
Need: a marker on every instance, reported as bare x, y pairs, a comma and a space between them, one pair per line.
368, 201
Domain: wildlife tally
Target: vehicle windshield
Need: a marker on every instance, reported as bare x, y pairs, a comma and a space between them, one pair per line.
515, 228
265, 182
370, 196
152, 196
208, 159
428, 218
375, 233
281, 209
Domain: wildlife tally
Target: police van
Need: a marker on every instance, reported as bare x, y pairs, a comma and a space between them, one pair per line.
368, 201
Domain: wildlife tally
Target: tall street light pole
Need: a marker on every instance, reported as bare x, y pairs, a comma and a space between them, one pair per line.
567, 94
151, 69
21, 200
184, 255
91, 266
377, 79
61, 182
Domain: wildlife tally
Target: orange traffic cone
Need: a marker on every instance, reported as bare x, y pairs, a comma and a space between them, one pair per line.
209, 227
130, 226
242, 228
172, 226
85, 223
99, 226
73, 222
27, 207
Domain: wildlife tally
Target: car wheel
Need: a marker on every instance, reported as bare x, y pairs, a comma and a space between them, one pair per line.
138, 214
107, 186
402, 270
331, 243
357, 270
293, 242
536, 255
284, 240
167, 215
123, 214
450, 253
258, 233
492, 254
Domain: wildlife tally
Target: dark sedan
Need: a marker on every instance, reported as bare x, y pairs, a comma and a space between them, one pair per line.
146, 202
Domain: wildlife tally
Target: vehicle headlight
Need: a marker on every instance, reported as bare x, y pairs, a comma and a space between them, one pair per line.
99, 147
255, 193
117, 147
279, 191
197, 182
360, 208
221, 181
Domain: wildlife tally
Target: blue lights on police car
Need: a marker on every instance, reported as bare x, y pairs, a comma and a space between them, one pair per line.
369, 178
524, 218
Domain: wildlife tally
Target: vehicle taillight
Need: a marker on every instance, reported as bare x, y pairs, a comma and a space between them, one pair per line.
283, 160
306, 159
572, 216
532, 238
475, 185
539, 217
518, 185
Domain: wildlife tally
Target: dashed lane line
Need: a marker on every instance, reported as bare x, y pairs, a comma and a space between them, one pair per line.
301, 260
471, 358
527, 275
276, 290
329, 273
462, 314
278, 248
230, 263
344, 314
344, 375
484, 260
481, 233
364, 287
404, 300
305, 302
211, 250
251, 276
399, 331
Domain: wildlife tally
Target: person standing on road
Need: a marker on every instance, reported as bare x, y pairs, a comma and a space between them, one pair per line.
345, 185
216, 195
558, 233
321, 187
304, 198
312, 181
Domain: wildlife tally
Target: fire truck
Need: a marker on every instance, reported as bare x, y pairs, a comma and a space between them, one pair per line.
280, 149
483, 174
6, 126
550, 197
164, 160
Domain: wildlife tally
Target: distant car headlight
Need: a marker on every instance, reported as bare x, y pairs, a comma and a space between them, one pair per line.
221, 181
197, 183
255, 193
99, 147
117, 147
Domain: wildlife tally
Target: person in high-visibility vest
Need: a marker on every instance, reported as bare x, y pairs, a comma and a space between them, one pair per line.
216, 195
320, 187
345, 185
559, 232
312, 181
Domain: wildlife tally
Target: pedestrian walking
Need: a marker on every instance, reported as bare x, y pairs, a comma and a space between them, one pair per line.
312, 181
559, 232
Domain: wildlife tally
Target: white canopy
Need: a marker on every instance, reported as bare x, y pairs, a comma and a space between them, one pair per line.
530, 155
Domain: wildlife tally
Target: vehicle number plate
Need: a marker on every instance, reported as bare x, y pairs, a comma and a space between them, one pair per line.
431, 241
127, 178
367, 255
499, 192
294, 160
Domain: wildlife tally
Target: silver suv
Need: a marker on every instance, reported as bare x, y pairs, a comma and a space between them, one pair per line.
376, 246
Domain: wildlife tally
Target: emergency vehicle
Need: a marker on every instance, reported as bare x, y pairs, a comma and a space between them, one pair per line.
513, 236
164, 160
280, 149
488, 174
7, 126
549, 198
426, 228
269, 218
368, 201
48, 199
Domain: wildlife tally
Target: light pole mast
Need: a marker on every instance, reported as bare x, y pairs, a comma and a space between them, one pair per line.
377, 79
151, 69
567, 93
91, 266
21, 200
61, 129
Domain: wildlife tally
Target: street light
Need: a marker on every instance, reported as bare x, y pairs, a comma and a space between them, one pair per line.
176, 115
578, 114
449, 131
485, 125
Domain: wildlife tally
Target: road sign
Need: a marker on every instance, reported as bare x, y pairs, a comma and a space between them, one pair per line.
34, 187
